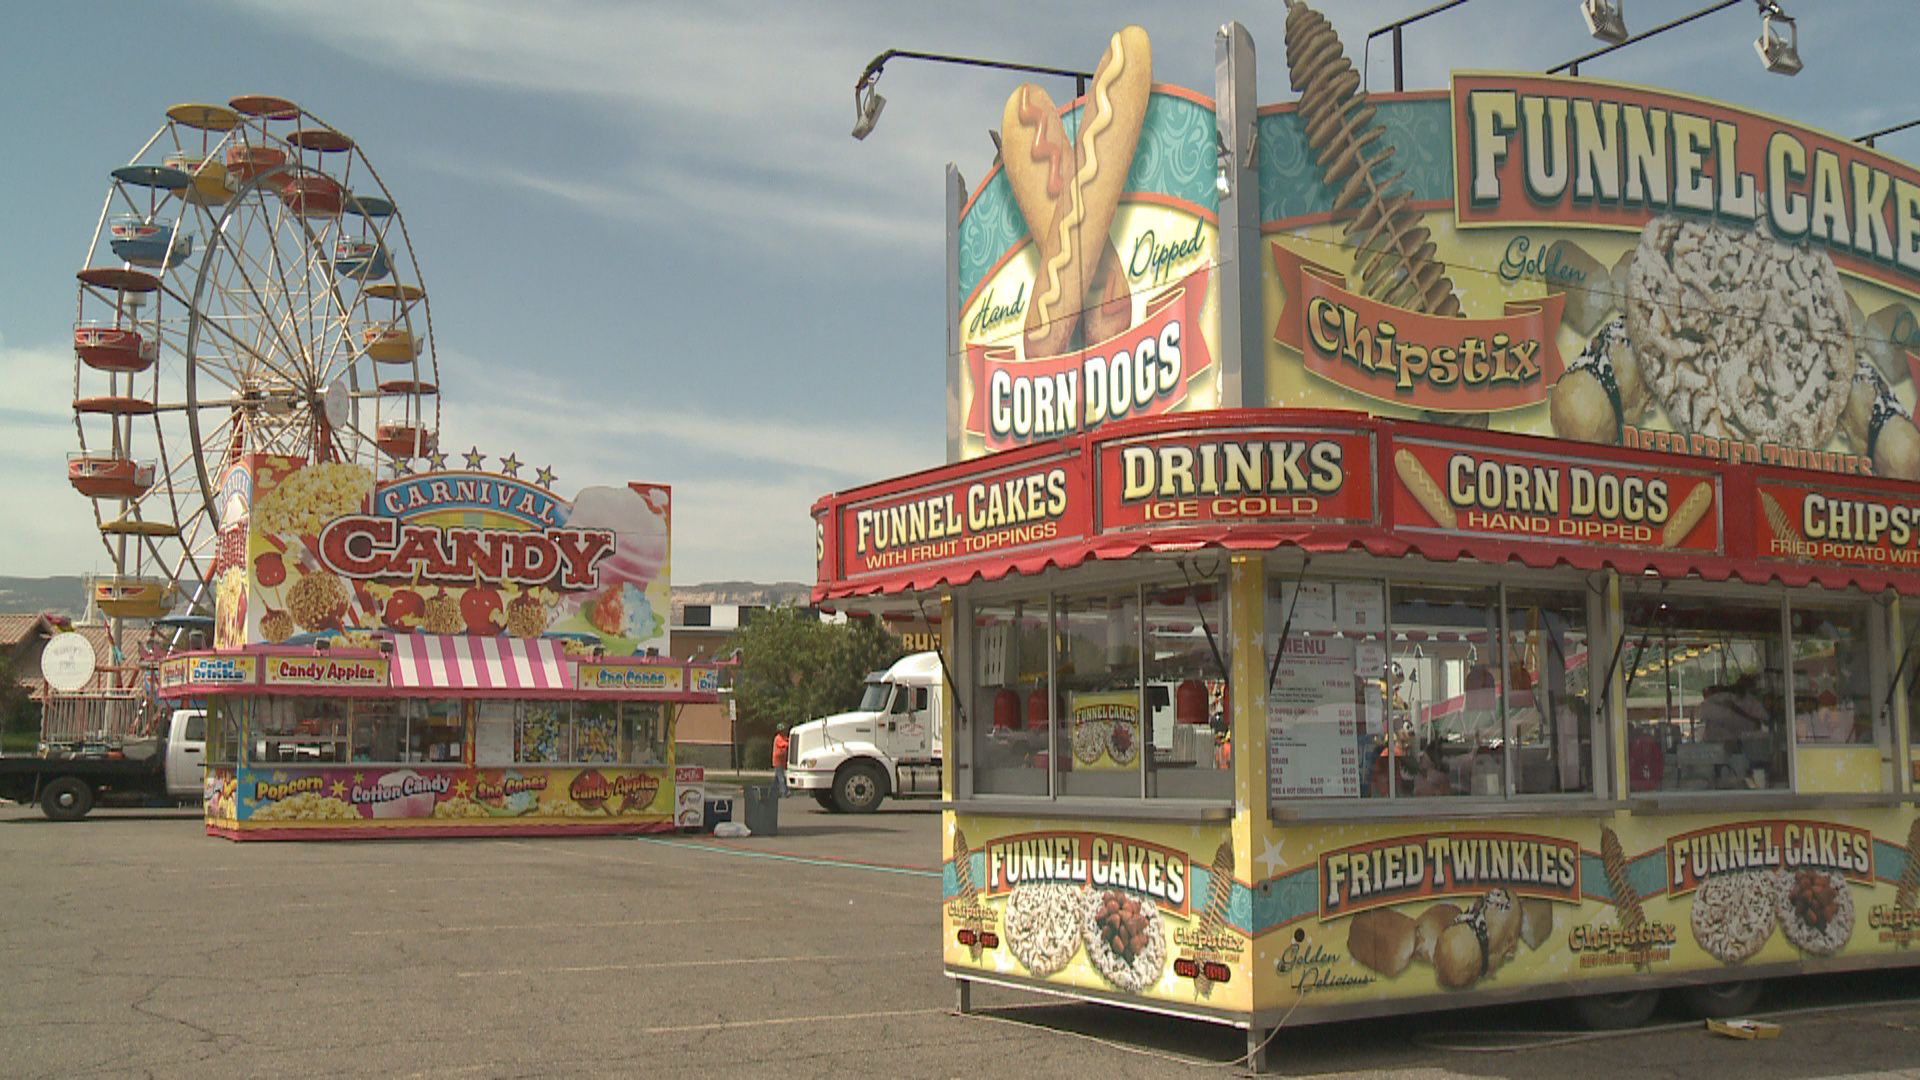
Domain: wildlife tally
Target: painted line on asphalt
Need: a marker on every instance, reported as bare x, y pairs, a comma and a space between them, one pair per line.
725, 1025
415, 930
808, 860
661, 965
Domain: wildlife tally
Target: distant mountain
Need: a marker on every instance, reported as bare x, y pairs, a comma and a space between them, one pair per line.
26, 596
740, 592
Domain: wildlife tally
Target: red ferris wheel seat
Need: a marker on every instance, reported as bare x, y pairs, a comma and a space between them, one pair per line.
113, 348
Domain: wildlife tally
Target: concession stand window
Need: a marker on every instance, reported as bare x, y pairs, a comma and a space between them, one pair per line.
1114, 693
1426, 684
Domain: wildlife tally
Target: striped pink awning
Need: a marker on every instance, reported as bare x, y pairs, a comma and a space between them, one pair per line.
447, 662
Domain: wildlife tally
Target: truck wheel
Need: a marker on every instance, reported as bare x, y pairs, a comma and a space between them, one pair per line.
1614, 1012
826, 801
859, 788
67, 798
1717, 1001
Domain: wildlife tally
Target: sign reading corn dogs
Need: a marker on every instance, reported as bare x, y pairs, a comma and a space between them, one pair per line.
1088, 260
1589, 260
1465, 489
331, 553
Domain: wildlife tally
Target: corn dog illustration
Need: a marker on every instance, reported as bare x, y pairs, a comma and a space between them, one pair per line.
1070, 192
1687, 515
1424, 489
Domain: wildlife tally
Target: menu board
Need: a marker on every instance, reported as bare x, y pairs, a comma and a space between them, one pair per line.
1313, 720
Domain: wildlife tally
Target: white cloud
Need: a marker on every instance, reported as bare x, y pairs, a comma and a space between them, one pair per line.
51, 529
743, 483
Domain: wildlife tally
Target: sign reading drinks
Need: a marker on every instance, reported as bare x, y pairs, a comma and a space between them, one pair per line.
1088, 277
310, 551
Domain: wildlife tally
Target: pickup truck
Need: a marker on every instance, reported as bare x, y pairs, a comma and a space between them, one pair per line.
170, 768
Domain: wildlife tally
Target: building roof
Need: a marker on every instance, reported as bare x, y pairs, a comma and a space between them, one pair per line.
15, 629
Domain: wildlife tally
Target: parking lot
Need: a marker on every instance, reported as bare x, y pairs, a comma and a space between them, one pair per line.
134, 944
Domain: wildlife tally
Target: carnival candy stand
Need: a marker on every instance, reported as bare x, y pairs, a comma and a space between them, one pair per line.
446, 652
1438, 577
433, 735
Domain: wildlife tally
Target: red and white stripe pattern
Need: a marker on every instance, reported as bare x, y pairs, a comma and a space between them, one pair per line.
452, 662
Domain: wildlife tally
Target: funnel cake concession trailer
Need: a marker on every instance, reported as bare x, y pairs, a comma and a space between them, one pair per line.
448, 653
1417, 550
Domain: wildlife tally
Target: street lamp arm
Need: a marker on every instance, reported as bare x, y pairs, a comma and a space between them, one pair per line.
1573, 66
1872, 135
873, 69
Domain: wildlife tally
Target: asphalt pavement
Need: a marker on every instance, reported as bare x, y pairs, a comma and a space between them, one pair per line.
133, 944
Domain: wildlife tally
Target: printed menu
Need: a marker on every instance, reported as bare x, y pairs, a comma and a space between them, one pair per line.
1313, 720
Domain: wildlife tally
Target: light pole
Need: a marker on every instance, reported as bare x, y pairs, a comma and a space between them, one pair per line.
867, 101
1779, 51
1869, 137
1399, 80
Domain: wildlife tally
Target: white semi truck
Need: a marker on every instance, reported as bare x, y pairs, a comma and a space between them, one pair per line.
888, 746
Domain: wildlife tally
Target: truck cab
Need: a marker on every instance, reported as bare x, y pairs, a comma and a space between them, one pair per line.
888, 745
67, 784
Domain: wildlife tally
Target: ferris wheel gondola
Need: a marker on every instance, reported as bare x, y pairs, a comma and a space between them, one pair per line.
249, 288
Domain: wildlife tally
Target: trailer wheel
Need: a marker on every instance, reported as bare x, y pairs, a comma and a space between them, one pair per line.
859, 787
67, 798
1716, 1001
1613, 1012
826, 801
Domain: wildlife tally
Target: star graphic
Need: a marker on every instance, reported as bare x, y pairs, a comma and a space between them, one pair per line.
1272, 857
544, 477
359, 778
510, 465
438, 459
339, 788
279, 777
475, 459
402, 467
460, 787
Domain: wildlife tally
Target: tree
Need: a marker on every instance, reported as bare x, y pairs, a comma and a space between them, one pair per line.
794, 668
19, 713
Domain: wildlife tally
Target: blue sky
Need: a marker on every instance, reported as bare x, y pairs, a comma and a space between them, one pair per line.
652, 249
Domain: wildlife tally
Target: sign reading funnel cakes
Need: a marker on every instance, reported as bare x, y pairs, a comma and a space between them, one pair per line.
1733, 914
1043, 925
1740, 334
1125, 939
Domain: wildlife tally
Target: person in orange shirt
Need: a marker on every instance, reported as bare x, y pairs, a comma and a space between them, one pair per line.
780, 762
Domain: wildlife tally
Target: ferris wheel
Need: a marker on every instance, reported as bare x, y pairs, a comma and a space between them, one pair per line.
249, 288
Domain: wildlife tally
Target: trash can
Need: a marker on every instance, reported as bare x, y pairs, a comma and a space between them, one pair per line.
760, 810
715, 810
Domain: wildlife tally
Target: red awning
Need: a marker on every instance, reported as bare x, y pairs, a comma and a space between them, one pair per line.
1326, 482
